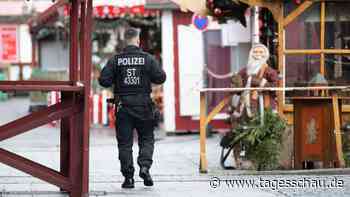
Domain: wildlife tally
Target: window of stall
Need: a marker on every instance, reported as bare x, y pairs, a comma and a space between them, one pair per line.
316, 41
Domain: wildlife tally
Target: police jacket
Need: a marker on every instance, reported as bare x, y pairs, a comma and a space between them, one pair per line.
132, 72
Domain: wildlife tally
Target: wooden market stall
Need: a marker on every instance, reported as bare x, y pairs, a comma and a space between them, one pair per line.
313, 38
72, 110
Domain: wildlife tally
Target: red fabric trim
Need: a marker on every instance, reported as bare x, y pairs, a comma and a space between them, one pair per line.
99, 109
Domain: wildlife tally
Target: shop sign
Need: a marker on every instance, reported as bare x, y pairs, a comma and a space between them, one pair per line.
8, 43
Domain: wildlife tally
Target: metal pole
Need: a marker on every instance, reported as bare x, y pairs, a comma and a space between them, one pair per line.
255, 24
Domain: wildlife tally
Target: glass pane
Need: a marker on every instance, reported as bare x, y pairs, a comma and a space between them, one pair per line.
300, 69
304, 31
337, 25
338, 69
338, 72
218, 60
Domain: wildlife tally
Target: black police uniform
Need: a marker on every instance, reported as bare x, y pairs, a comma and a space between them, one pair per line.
132, 73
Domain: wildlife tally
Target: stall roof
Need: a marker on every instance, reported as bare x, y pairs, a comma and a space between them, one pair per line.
50, 13
102, 9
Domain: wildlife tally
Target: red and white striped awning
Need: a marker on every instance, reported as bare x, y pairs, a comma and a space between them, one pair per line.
120, 8
101, 9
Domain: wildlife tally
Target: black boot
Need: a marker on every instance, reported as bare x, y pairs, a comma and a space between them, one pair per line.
128, 183
147, 179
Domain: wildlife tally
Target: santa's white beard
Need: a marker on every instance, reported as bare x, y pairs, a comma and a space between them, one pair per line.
254, 66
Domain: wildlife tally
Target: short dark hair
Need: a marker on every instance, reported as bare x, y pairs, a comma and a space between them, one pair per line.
131, 33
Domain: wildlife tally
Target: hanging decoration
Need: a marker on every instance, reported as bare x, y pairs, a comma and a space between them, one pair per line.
224, 10
198, 6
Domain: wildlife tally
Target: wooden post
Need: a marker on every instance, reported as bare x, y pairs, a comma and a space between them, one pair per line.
337, 130
204, 121
322, 39
87, 91
203, 168
34, 50
65, 138
75, 157
74, 28
20, 64
280, 95
82, 35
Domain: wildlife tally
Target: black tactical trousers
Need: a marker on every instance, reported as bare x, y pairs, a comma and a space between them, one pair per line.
125, 125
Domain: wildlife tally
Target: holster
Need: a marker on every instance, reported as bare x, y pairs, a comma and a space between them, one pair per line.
155, 114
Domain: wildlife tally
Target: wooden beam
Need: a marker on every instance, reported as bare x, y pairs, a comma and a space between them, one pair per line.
345, 108
337, 51
277, 89
35, 169
43, 87
302, 51
37, 119
337, 130
36, 82
203, 164
289, 108
218, 108
281, 67
322, 39
275, 7
297, 12
87, 90
315, 51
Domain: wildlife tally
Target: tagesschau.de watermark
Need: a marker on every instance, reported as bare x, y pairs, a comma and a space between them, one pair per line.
275, 184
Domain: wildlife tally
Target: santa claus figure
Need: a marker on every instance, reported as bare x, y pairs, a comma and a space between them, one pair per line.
246, 104
257, 73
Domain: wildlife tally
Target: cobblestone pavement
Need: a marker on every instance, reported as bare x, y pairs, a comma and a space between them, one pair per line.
175, 168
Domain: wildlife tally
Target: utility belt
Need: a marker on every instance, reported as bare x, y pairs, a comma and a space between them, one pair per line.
115, 101
118, 101
156, 116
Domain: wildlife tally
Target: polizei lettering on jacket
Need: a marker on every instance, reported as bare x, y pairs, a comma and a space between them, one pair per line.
129, 61
131, 70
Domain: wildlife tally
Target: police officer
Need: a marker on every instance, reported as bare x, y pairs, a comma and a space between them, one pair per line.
132, 72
